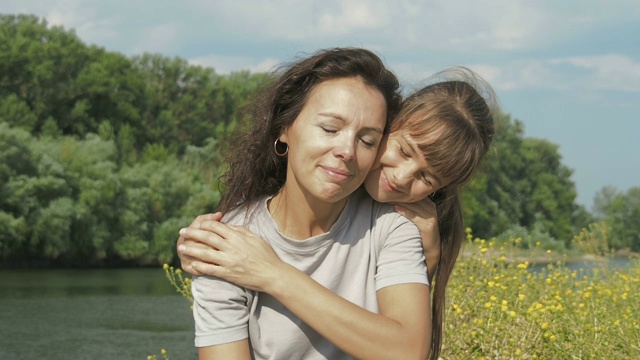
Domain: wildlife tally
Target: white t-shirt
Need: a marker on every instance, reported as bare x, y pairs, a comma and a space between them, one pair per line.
369, 247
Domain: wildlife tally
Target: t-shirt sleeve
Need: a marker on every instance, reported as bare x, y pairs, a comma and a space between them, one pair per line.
220, 311
401, 259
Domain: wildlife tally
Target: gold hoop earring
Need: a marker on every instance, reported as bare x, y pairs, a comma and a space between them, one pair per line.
275, 148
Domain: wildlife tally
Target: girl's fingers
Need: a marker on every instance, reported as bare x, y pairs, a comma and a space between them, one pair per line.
423, 209
186, 262
195, 252
404, 211
206, 217
207, 269
206, 237
224, 231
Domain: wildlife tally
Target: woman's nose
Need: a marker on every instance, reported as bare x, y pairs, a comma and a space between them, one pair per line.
345, 150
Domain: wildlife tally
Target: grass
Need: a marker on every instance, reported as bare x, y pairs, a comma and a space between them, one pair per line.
500, 309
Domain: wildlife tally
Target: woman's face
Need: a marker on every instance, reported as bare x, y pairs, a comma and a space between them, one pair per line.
334, 140
401, 173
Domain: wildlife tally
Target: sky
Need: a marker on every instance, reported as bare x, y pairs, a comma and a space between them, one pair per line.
569, 70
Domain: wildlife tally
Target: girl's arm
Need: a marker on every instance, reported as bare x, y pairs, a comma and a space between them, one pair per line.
402, 330
425, 215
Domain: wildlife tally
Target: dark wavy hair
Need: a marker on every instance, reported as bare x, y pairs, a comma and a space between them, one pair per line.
254, 170
460, 107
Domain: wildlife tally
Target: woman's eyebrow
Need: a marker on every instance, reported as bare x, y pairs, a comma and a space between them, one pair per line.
343, 120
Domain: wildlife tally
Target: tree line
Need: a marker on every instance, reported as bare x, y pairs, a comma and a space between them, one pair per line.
104, 157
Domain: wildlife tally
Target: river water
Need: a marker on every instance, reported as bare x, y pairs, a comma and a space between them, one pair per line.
92, 314
608, 264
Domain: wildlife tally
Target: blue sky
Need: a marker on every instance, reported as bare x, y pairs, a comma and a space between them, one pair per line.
569, 70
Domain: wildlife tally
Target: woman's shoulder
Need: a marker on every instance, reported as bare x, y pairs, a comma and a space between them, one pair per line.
378, 212
245, 213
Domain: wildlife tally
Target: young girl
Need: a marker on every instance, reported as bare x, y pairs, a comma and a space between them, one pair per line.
436, 143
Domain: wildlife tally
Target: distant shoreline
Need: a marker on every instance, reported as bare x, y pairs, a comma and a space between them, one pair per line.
539, 257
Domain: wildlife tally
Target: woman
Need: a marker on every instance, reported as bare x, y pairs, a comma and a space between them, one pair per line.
416, 159
314, 138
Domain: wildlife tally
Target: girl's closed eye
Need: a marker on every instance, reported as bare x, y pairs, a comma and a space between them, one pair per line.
369, 143
426, 179
403, 152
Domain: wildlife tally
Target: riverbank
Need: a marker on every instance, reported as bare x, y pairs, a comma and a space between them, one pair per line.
540, 257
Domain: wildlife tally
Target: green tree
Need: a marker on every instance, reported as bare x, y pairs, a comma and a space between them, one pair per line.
621, 212
523, 183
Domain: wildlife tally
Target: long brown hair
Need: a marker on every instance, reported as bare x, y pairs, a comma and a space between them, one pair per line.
254, 169
460, 108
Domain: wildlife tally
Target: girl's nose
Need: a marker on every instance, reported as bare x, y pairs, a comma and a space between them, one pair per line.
401, 177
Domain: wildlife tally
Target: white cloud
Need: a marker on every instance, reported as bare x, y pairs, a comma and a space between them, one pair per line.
465, 26
291, 20
411, 76
160, 38
353, 15
606, 72
518, 75
410, 31
440, 24
84, 17
227, 64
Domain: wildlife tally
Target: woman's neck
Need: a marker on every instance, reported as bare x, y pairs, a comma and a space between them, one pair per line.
300, 216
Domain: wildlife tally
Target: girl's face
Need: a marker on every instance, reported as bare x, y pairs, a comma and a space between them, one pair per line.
334, 140
401, 173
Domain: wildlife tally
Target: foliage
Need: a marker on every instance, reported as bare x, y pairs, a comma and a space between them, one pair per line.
594, 240
163, 352
498, 309
523, 183
529, 238
103, 158
67, 200
621, 213
178, 281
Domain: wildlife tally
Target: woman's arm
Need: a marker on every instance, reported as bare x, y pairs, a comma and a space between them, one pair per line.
402, 330
425, 215
236, 350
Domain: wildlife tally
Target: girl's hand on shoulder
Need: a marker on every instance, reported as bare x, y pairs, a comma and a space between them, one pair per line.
201, 255
425, 215
233, 253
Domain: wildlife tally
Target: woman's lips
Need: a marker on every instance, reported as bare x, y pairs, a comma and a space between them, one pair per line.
336, 174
